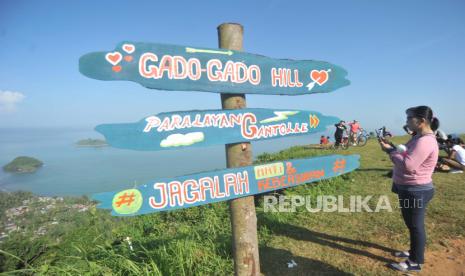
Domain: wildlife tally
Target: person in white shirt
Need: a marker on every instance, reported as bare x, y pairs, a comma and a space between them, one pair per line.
456, 158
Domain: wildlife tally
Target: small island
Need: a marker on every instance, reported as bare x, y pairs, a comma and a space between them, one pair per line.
91, 143
23, 164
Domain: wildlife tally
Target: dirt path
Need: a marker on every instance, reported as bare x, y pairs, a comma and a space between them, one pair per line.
446, 259
449, 259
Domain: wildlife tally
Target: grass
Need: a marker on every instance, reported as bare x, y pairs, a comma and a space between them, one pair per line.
356, 243
197, 241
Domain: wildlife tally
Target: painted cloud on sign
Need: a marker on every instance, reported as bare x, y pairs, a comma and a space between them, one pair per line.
176, 140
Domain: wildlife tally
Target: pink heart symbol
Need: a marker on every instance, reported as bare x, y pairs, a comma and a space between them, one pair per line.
319, 77
128, 58
113, 58
128, 48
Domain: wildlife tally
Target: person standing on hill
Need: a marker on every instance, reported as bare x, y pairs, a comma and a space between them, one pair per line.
354, 128
412, 181
340, 128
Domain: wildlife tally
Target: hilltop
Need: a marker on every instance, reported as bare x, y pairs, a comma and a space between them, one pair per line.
194, 241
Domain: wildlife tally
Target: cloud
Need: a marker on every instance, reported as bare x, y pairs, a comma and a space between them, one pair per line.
9, 99
176, 140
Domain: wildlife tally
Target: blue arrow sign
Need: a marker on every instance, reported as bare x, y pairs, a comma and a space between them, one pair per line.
173, 67
213, 127
215, 186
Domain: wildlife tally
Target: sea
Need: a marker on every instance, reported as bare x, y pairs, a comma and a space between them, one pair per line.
70, 170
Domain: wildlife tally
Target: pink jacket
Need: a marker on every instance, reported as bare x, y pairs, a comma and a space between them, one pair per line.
416, 165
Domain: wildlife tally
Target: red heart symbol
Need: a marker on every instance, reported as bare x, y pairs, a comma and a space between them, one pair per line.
128, 48
116, 68
319, 77
113, 58
128, 58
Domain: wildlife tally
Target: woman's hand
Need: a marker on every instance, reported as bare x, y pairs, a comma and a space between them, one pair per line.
385, 146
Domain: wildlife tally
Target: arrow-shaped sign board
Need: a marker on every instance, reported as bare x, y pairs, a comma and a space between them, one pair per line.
215, 186
173, 67
213, 127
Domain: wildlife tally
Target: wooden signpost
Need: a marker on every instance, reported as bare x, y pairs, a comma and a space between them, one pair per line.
241, 210
213, 127
209, 187
232, 73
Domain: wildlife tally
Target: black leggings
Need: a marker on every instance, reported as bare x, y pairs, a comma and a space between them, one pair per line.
413, 207
337, 139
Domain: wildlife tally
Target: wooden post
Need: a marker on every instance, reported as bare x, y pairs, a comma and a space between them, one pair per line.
242, 210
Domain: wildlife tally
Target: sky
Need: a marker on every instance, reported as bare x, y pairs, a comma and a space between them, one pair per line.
398, 54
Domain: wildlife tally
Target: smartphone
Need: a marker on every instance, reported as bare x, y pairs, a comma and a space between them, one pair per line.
380, 135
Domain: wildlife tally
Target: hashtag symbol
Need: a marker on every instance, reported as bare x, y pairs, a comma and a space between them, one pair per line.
339, 165
125, 199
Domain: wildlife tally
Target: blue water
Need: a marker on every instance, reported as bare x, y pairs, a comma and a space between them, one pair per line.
71, 170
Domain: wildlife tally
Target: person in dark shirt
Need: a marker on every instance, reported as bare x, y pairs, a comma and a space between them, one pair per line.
340, 128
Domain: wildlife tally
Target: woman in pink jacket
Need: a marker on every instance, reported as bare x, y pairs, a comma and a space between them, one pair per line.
412, 181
